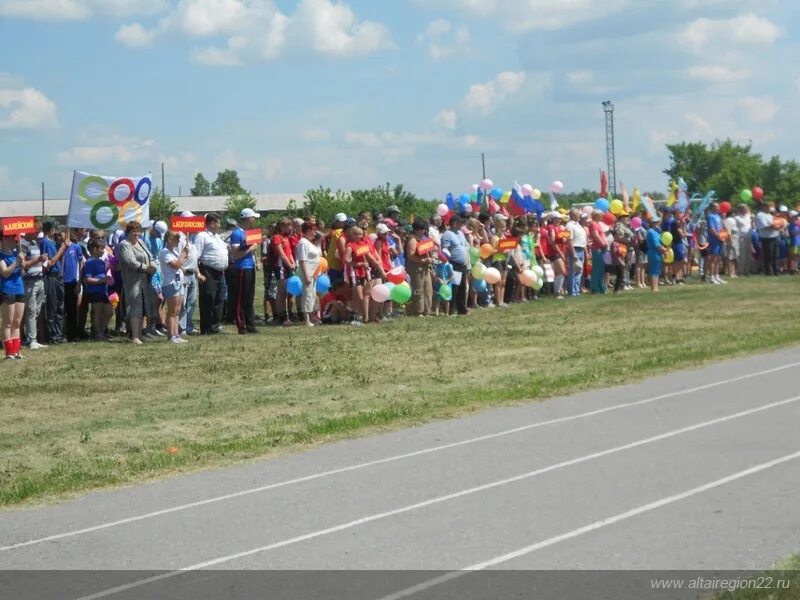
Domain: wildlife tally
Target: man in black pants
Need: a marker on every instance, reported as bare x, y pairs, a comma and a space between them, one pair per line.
53, 283
242, 294
455, 243
768, 236
212, 258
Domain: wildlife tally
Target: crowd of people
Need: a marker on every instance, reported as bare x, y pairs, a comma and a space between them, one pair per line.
149, 280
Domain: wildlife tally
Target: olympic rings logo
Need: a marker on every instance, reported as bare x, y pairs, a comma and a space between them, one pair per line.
109, 206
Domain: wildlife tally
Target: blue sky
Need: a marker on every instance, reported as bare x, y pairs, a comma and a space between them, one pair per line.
296, 94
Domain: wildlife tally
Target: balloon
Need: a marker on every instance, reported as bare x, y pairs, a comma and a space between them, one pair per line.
401, 293
617, 207
536, 194
445, 292
497, 193
486, 251
636, 222
479, 285
389, 286
474, 255
442, 210
492, 276
380, 293
396, 275
539, 271
528, 278
323, 284
557, 187
473, 197
506, 197
294, 286
588, 209
114, 299
500, 257
602, 205
746, 195
758, 194
669, 257
666, 238
725, 207
486, 185
463, 199
538, 285
478, 270
527, 189
373, 236
323, 265
609, 219
476, 187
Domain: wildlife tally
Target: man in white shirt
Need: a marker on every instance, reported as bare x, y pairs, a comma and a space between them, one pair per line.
768, 236
744, 225
212, 258
577, 252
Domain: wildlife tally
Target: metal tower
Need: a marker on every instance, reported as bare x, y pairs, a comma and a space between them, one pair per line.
612, 162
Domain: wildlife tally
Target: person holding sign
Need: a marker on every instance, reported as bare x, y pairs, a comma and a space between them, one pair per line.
558, 242
242, 295
360, 261
173, 259
12, 295
418, 265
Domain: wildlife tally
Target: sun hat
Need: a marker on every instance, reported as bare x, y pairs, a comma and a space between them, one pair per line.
382, 228
249, 213
161, 227
340, 218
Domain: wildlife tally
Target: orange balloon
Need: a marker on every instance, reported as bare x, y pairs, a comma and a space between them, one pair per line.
323, 266
486, 251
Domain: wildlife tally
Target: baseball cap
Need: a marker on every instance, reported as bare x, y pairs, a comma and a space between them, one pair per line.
393, 208
161, 227
147, 224
340, 217
187, 213
784, 208
381, 228
249, 213
350, 222
231, 222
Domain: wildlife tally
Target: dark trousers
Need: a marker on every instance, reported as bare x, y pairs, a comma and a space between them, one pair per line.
71, 291
240, 299
229, 313
211, 300
769, 254
461, 291
618, 270
54, 306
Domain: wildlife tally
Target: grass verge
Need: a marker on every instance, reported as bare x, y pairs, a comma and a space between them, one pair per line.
91, 415
780, 583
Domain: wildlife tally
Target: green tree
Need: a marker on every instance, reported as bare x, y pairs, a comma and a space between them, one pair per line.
234, 205
227, 184
202, 187
162, 207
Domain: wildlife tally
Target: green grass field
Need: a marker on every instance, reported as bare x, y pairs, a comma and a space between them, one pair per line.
780, 583
84, 416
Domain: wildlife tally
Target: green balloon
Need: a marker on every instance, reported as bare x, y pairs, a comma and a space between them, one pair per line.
666, 238
474, 255
478, 270
539, 272
746, 195
401, 293
500, 257
538, 285
445, 292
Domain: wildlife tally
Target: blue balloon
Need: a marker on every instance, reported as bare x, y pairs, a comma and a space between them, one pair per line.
601, 204
479, 285
464, 199
497, 193
323, 284
294, 286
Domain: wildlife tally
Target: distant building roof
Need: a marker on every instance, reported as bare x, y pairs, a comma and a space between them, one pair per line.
195, 204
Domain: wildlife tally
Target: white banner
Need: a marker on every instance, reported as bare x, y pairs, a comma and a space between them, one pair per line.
108, 203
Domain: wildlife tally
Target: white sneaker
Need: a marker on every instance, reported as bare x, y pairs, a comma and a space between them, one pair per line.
36, 345
177, 340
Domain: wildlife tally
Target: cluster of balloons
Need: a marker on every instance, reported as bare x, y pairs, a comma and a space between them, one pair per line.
756, 194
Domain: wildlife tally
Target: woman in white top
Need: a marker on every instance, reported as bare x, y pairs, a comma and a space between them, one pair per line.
307, 256
172, 261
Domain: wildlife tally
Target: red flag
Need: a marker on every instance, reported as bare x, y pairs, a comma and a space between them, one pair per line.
603, 184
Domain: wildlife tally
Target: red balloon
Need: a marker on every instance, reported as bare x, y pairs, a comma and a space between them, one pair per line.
758, 194
725, 207
396, 275
609, 219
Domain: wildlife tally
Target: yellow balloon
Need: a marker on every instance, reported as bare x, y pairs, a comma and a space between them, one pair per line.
506, 197
617, 207
669, 258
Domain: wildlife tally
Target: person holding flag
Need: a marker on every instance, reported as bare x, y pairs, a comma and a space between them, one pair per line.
244, 263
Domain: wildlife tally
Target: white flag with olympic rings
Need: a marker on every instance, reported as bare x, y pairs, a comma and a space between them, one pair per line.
108, 203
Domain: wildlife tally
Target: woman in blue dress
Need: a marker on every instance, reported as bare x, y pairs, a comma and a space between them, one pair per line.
655, 252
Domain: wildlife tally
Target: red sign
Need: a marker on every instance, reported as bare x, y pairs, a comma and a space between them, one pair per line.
507, 244
253, 236
425, 247
188, 224
18, 225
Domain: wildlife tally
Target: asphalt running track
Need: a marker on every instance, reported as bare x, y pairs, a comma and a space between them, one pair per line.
693, 470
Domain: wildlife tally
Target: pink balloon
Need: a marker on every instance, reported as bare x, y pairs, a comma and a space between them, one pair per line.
487, 184
442, 210
588, 209
636, 222
527, 189
380, 293
528, 278
491, 276
557, 187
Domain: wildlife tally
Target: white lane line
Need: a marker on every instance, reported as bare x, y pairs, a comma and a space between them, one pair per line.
639, 510
390, 459
437, 500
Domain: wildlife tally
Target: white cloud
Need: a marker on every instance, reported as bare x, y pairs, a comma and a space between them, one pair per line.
442, 41
116, 151
26, 108
749, 29
718, 73
447, 119
700, 128
134, 36
273, 168
75, 10
315, 135
258, 30
484, 96
758, 110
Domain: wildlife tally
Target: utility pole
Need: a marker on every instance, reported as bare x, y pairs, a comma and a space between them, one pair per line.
163, 191
483, 163
608, 108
